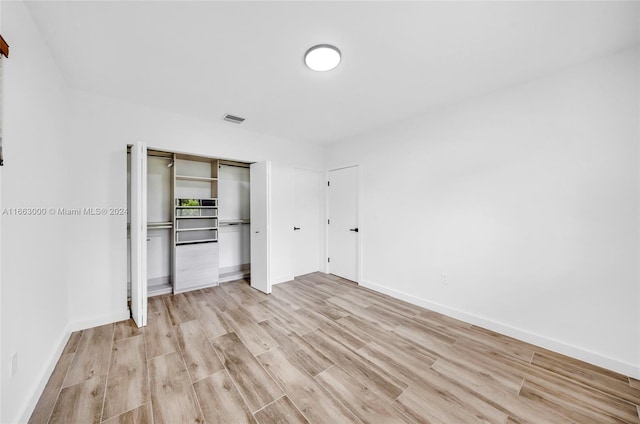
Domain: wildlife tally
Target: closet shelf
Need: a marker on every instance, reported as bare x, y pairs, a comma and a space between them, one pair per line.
196, 207
196, 229
194, 178
194, 217
197, 241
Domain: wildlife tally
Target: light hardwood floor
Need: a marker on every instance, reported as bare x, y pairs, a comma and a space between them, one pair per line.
319, 350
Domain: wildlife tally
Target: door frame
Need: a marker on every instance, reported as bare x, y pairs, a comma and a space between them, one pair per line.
327, 267
143, 287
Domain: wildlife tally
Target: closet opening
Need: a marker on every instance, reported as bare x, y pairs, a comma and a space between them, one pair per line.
197, 222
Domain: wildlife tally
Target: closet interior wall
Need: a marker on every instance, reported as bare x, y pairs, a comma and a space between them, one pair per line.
159, 222
234, 234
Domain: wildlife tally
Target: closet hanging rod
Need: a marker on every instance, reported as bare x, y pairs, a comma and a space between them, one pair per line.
229, 223
232, 163
235, 166
159, 225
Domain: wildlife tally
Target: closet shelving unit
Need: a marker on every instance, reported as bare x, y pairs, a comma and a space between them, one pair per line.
195, 223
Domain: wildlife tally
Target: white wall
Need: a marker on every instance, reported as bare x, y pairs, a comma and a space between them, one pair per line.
1, 118
101, 128
34, 309
527, 199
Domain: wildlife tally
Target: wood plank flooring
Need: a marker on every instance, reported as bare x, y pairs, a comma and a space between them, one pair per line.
319, 349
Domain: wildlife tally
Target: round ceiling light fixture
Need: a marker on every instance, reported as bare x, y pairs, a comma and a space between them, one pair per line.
323, 57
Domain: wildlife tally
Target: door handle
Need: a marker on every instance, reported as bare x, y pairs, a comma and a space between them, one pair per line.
296, 228
355, 230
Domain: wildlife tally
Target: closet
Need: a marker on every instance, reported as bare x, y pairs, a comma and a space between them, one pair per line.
197, 215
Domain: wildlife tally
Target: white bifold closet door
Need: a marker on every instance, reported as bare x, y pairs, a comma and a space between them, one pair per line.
139, 234
260, 196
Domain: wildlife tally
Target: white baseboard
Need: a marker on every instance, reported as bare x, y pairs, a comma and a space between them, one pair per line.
281, 279
233, 277
55, 356
100, 320
234, 273
45, 375
626, 368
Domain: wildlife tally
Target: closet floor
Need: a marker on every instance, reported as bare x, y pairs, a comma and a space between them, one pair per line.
322, 350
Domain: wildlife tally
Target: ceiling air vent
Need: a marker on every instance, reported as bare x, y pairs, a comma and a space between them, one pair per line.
234, 119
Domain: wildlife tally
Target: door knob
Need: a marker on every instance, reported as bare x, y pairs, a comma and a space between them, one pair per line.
296, 228
354, 229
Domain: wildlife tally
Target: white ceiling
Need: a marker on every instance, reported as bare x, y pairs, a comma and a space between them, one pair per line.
399, 58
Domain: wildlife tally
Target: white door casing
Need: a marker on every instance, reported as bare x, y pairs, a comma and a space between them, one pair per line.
343, 223
260, 204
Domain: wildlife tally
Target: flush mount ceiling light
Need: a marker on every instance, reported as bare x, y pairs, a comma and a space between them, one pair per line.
323, 57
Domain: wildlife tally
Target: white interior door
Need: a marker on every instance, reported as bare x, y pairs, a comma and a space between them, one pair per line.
307, 221
139, 234
343, 223
260, 205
